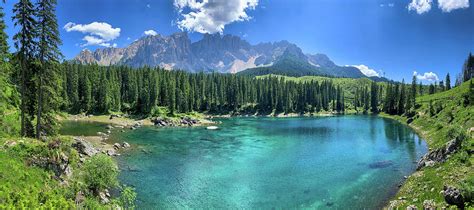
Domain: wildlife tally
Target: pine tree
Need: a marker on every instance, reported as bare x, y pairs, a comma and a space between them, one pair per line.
448, 82
412, 93
468, 68
374, 97
49, 56
4, 55
24, 17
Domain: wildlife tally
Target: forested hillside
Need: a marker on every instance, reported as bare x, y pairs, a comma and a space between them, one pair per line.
442, 119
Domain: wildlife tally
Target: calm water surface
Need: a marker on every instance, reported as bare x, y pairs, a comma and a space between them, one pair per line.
327, 162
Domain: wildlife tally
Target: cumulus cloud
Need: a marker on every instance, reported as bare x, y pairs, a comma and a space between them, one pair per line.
427, 76
211, 16
420, 6
367, 71
150, 33
97, 33
450, 5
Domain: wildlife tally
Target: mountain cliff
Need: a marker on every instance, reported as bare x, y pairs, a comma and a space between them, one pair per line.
217, 53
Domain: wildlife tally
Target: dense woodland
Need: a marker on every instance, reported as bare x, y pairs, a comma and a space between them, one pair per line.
95, 89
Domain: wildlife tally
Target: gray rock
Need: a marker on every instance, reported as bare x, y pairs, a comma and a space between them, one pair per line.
111, 152
108, 127
84, 147
103, 198
429, 205
117, 146
441, 154
125, 145
412, 207
453, 196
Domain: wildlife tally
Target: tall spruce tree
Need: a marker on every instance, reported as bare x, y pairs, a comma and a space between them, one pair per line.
25, 43
448, 82
49, 56
4, 55
374, 101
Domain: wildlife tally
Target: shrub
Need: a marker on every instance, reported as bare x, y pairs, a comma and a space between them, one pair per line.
458, 133
100, 173
128, 197
467, 190
159, 111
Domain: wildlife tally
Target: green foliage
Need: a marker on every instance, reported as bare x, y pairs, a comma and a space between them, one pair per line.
100, 172
467, 190
28, 187
128, 197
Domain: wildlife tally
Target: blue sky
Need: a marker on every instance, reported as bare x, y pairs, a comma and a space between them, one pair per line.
396, 37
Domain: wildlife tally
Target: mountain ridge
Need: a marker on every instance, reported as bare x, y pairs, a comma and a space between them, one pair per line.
217, 53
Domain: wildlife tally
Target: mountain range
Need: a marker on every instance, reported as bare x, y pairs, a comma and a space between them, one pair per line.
218, 53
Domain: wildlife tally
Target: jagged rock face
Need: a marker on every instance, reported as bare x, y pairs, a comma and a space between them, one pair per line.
226, 54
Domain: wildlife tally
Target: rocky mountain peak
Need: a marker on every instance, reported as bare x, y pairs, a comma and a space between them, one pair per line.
214, 52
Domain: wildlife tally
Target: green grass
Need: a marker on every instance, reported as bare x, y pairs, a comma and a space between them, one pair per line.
349, 85
452, 117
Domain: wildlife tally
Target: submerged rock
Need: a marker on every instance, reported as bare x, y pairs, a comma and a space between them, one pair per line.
125, 145
381, 164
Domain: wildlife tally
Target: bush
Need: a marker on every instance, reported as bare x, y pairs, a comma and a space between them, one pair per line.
467, 190
159, 111
457, 133
128, 197
100, 173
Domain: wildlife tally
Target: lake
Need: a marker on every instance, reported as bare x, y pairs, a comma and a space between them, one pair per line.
321, 162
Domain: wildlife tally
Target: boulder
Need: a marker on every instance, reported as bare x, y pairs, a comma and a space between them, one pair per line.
117, 146
125, 145
111, 152
412, 207
109, 127
453, 196
84, 147
381, 164
441, 154
103, 198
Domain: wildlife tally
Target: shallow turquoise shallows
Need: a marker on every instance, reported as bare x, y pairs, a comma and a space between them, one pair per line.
346, 162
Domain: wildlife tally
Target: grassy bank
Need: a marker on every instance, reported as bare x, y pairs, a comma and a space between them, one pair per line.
52, 174
440, 118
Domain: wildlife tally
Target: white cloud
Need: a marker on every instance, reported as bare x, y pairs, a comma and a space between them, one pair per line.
391, 4
427, 76
449, 5
211, 16
367, 71
150, 33
148, 6
420, 6
97, 33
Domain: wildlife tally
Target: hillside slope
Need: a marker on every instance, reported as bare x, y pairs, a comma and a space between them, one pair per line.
439, 119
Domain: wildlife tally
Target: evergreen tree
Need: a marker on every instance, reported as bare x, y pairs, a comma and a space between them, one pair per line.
25, 42
4, 55
49, 55
374, 97
468, 68
448, 82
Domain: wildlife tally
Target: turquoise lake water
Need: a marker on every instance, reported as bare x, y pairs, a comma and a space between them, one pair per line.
345, 162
